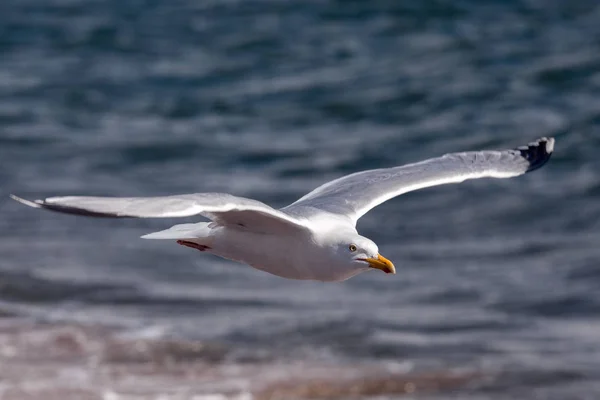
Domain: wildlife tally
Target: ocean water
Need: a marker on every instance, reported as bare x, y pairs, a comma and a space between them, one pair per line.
497, 294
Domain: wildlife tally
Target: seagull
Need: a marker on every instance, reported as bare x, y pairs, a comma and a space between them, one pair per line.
314, 238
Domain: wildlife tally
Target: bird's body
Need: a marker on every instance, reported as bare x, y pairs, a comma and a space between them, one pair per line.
314, 238
284, 254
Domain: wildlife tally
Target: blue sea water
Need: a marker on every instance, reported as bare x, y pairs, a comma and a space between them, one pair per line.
270, 98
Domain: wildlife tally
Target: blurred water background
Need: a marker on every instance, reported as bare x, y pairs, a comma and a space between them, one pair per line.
497, 294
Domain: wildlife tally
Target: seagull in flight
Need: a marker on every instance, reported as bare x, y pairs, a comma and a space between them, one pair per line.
314, 238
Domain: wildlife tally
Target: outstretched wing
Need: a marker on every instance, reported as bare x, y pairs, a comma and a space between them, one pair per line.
354, 195
220, 207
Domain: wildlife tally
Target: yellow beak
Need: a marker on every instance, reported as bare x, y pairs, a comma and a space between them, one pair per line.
381, 263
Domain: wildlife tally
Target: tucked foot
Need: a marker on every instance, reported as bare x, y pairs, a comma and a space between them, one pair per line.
193, 245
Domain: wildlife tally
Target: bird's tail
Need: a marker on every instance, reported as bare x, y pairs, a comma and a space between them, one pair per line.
183, 231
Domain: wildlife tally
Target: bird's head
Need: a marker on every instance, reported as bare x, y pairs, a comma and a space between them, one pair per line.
360, 254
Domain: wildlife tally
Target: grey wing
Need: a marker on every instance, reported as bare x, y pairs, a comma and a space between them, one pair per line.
354, 195
219, 207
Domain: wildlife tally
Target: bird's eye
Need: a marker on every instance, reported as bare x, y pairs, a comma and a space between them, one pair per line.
352, 248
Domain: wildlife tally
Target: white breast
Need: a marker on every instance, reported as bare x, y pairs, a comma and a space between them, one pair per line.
292, 256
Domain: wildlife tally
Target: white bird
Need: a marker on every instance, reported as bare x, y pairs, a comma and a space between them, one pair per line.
314, 238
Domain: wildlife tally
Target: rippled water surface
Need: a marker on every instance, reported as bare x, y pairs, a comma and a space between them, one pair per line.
497, 294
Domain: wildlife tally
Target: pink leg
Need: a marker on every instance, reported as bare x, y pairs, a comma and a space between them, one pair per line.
193, 245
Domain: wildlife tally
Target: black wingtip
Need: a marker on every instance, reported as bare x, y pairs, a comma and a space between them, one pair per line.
537, 153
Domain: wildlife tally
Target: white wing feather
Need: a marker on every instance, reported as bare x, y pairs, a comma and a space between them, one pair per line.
219, 207
350, 196
354, 195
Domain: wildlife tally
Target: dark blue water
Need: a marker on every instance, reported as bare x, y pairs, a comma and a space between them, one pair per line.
268, 99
